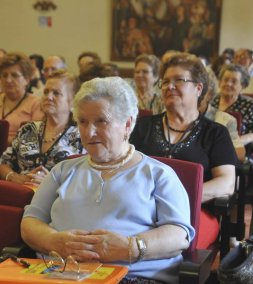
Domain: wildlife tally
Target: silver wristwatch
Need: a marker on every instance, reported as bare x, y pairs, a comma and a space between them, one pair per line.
142, 247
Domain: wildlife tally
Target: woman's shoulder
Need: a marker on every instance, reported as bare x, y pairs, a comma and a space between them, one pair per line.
144, 126
31, 125
32, 101
211, 125
33, 97
72, 132
225, 118
71, 163
149, 119
154, 164
212, 132
245, 99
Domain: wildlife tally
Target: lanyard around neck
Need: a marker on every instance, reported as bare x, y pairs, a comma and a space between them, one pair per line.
184, 133
14, 108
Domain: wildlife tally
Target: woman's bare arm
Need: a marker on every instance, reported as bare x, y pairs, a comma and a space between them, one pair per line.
222, 183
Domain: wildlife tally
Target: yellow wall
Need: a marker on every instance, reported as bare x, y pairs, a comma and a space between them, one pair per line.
236, 24
77, 25
82, 25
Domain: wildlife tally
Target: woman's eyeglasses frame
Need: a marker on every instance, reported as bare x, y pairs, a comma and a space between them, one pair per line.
176, 83
55, 263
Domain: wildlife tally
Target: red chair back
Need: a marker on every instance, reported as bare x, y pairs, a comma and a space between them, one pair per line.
144, 112
4, 132
13, 198
191, 176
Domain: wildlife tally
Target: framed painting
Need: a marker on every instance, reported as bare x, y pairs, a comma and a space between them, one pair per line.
155, 26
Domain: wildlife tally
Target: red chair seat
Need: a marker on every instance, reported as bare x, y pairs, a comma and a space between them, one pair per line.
14, 194
13, 198
208, 230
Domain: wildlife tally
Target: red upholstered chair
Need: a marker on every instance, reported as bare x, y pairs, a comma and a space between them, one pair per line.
13, 198
196, 266
4, 131
191, 176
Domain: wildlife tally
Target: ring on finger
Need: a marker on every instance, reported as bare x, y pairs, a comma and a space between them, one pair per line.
38, 172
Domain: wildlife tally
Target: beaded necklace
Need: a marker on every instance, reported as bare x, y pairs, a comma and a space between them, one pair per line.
44, 140
172, 147
115, 166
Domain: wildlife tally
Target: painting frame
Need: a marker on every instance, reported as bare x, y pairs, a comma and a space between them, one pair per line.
153, 27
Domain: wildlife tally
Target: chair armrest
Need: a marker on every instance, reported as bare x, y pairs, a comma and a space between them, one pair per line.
223, 205
249, 148
196, 267
20, 250
243, 168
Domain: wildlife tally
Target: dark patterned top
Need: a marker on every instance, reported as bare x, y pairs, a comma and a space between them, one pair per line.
208, 143
25, 153
245, 107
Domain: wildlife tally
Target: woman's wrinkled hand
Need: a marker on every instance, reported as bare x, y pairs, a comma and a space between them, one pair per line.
36, 176
59, 242
106, 246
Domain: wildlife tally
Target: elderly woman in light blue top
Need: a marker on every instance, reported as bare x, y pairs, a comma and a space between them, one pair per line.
115, 205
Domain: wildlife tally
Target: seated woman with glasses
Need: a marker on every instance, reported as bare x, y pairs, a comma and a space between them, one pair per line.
183, 133
39, 145
116, 204
16, 104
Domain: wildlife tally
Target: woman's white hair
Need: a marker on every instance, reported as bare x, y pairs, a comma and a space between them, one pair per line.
117, 91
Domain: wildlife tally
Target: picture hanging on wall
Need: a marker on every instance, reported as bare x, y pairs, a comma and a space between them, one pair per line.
155, 26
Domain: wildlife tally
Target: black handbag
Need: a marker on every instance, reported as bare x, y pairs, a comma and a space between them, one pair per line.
237, 266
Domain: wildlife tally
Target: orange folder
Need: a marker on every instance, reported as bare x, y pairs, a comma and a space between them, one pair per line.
12, 272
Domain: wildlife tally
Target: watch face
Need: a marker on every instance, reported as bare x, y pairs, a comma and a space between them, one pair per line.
142, 244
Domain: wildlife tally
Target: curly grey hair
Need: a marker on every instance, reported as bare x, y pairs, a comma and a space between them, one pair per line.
245, 77
114, 89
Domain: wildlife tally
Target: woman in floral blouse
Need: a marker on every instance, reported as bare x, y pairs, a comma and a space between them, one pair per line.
39, 145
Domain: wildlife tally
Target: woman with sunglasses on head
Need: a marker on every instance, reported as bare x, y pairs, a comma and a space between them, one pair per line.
16, 104
39, 145
183, 133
